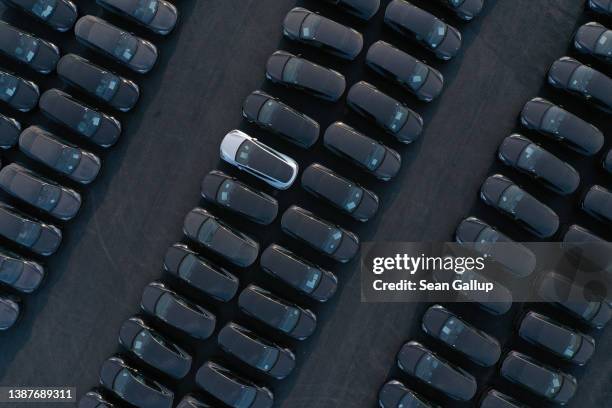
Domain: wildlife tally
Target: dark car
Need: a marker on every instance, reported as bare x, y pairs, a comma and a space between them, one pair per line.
552, 121
607, 162
531, 159
299, 73
594, 39
465, 9
189, 401
114, 90
415, 76
173, 309
9, 132
18, 93
255, 351
560, 340
137, 54
58, 14
90, 124
234, 391
40, 238
542, 380
508, 198
153, 348
496, 399
132, 386
327, 238
277, 313
158, 16
601, 6
363, 9
416, 360
366, 153
313, 29
9, 312
444, 325
343, 194
212, 233
576, 78
227, 192
93, 399
20, 273
589, 252
425, 28
299, 273
36, 53
394, 394
69, 160
598, 203
271, 114
394, 117
200, 273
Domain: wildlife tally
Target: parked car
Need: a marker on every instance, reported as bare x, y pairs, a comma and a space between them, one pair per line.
598, 203
259, 160
277, 313
394, 394
90, 124
132, 386
297, 272
392, 116
271, 114
232, 390
417, 361
9, 312
227, 192
373, 157
607, 162
176, 311
200, 273
295, 72
19, 273
94, 399
578, 79
465, 9
158, 16
594, 39
58, 14
69, 160
601, 6
364, 9
9, 131
18, 93
154, 349
552, 121
589, 252
425, 28
542, 380
40, 238
34, 52
511, 200
218, 237
255, 351
538, 163
107, 87
415, 76
137, 54
564, 342
496, 399
189, 401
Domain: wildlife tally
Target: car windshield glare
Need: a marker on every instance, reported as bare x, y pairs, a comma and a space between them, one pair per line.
334, 236
437, 34
68, 159
141, 342
27, 47
353, 198
290, 319
244, 152
268, 358
126, 47
44, 8
426, 368
418, 76
529, 157
554, 386
580, 79
573, 346
28, 233
510, 199
89, 123
122, 382
291, 70
308, 30
456, 3
311, 280
486, 240
604, 44
398, 118
48, 197
245, 398
8, 86
224, 195
108, 86
375, 158
207, 231
552, 120
451, 330
267, 111
146, 10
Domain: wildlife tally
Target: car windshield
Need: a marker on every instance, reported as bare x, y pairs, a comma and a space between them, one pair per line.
451, 330
122, 382
68, 160
456, 3
268, 358
552, 120
224, 195
554, 386
510, 199
581, 78
48, 197
207, 231
353, 198
44, 8
591, 309
27, 47
426, 368
244, 152
375, 158
89, 123
334, 236
246, 398
126, 47
291, 70
186, 267
604, 44
398, 118
485, 241
141, 343
107, 87
8, 86
28, 233
146, 10
162, 307
437, 34
573, 346
418, 76
267, 112
289, 320
309, 26
410, 401
311, 280
529, 157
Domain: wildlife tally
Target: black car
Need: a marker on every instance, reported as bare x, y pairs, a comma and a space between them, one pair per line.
114, 90
542, 380
153, 348
444, 325
415, 76
94, 399
69, 160
189, 401
58, 14
313, 29
366, 153
40, 238
576, 78
454, 382
20, 273
562, 341
234, 391
589, 252
327, 238
344, 194
132, 386
158, 16
17, 92
36, 53
299, 73
159, 301
271, 114
227, 192
277, 313
425, 28
394, 394
90, 124
299, 273
598, 203
248, 347
496, 399
465, 9
552, 121
508, 198
137, 54
212, 233
363, 9
594, 39
601, 6
9, 132
200, 273
529, 158
9, 312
